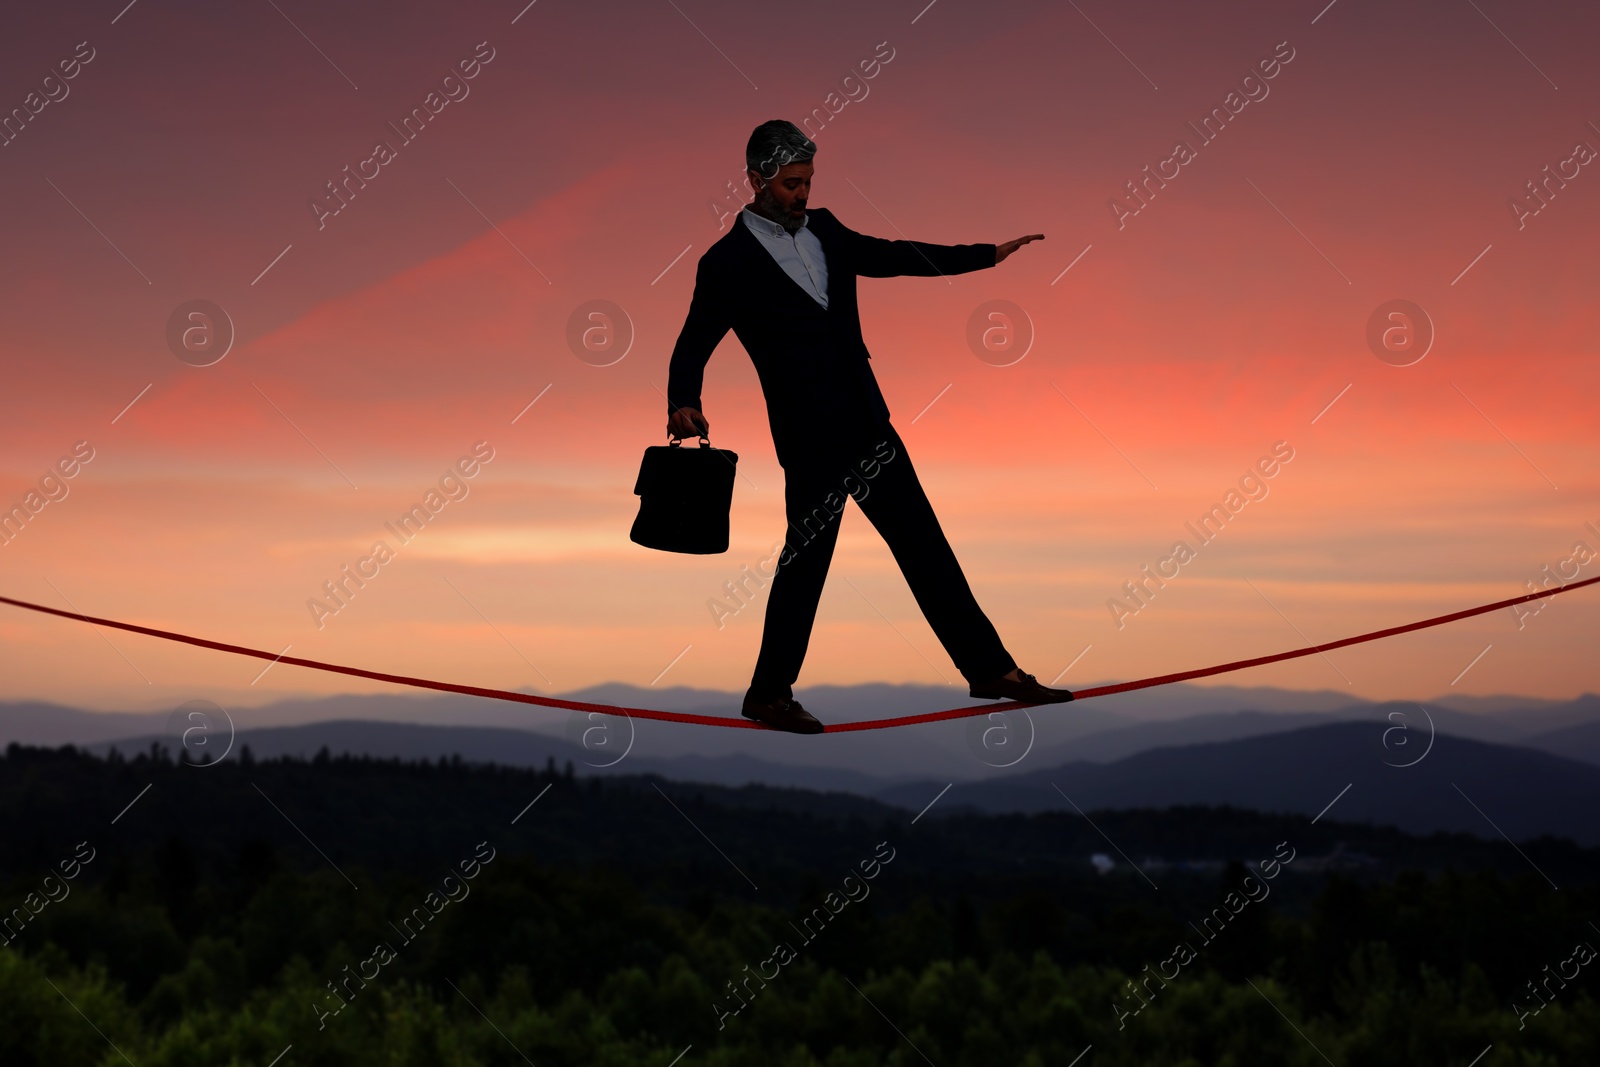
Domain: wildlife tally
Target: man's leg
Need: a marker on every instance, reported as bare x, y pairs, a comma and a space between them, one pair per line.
896, 504
813, 500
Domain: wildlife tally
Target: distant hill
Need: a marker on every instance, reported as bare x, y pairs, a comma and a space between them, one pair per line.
1415, 722
1525, 792
508, 748
1580, 742
41, 723
1121, 742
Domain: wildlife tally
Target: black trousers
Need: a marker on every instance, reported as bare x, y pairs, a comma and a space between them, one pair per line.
874, 470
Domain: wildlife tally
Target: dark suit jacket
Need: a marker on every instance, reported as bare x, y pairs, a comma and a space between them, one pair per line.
812, 361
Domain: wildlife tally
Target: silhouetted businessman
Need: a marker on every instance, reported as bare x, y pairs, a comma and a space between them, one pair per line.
784, 280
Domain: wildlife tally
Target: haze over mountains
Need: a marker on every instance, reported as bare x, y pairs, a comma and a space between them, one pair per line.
1102, 729
1529, 766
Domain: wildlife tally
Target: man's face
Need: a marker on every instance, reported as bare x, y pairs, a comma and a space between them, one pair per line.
783, 197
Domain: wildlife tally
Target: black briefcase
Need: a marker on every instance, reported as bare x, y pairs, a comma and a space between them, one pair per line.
685, 495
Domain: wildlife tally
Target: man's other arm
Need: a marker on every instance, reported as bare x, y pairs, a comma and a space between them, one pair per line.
876, 257
708, 321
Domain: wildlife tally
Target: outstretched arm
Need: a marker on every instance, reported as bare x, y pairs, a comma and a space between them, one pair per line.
704, 327
875, 257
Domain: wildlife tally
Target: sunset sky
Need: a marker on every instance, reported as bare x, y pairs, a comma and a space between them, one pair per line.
586, 160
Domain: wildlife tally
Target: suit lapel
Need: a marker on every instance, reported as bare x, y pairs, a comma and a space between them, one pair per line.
756, 251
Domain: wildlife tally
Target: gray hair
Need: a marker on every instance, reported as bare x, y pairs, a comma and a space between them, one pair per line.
775, 143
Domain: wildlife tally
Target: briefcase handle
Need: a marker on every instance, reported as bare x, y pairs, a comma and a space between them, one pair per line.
674, 441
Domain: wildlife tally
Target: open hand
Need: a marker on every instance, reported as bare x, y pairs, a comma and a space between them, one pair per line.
1002, 251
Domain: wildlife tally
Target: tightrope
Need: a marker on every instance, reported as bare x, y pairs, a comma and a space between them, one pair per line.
743, 723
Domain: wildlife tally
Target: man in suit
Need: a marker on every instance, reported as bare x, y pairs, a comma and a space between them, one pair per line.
784, 280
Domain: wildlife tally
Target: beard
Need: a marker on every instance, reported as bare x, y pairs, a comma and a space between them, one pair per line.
766, 205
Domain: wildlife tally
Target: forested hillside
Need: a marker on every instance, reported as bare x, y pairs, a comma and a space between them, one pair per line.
352, 911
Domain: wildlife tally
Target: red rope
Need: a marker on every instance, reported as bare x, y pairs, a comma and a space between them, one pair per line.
841, 727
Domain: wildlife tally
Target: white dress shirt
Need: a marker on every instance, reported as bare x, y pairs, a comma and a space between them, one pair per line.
799, 254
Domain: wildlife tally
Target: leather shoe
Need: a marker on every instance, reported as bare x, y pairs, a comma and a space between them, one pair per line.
783, 713
1024, 688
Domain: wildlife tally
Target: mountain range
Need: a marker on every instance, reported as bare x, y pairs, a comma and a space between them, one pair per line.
1099, 730
1492, 766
